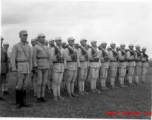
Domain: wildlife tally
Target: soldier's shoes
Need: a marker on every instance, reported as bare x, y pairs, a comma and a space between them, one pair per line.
2, 99
26, 105
18, 106
69, 96
85, 93
143, 82
93, 91
74, 95
106, 88
38, 100
42, 99
81, 93
131, 84
6, 93
113, 87
96, 90
60, 98
55, 99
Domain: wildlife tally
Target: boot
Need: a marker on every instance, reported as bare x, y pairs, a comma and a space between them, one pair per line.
18, 99
24, 104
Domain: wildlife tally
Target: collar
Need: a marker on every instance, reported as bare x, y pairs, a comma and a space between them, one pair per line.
23, 43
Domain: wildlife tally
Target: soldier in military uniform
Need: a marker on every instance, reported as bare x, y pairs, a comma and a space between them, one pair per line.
83, 65
49, 82
41, 66
131, 64
33, 75
103, 53
122, 64
21, 63
113, 56
145, 64
93, 54
4, 85
72, 66
4, 67
138, 56
59, 63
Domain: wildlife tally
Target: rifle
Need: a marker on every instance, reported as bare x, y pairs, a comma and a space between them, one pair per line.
145, 55
58, 54
115, 54
105, 55
84, 52
72, 52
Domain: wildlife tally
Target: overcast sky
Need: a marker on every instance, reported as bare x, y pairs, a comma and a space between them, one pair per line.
120, 22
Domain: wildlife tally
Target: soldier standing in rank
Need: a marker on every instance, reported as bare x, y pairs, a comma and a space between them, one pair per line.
138, 56
59, 63
41, 66
131, 64
4, 85
21, 63
122, 65
145, 64
4, 67
33, 75
93, 54
83, 65
113, 56
103, 53
72, 66
49, 82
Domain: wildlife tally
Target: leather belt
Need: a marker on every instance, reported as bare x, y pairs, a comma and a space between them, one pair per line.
22, 61
41, 57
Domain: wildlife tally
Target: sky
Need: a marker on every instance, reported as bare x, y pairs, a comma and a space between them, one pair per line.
111, 21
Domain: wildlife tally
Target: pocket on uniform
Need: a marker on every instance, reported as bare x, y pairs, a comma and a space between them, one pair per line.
20, 67
56, 67
40, 63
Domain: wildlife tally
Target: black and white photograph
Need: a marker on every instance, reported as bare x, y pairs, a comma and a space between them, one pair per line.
85, 59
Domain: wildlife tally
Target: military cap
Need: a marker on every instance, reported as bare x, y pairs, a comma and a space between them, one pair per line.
70, 38
33, 40
83, 39
122, 44
58, 38
92, 41
40, 35
51, 40
137, 46
117, 47
108, 47
112, 43
23, 32
6, 43
76, 43
131, 45
143, 48
104, 42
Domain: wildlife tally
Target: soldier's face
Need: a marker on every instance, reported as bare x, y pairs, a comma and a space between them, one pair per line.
33, 43
71, 42
138, 48
113, 46
42, 39
144, 50
6, 46
122, 47
83, 43
131, 47
58, 42
51, 42
46, 44
24, 37
104, 45
94, 44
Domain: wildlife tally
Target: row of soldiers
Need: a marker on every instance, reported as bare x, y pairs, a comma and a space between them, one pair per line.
48, 65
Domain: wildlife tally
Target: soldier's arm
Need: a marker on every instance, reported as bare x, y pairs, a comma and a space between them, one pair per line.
90, 54
67, 56
101, 56
120, 56
31, 64
129, 57
53, 56
110, 56
13, 58
35, 56
81, 57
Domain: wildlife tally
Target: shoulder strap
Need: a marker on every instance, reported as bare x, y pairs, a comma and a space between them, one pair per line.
44, 49
23, 51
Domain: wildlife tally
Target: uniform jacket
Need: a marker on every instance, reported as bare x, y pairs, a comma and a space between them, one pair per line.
21, 58
112, 58
104, 63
